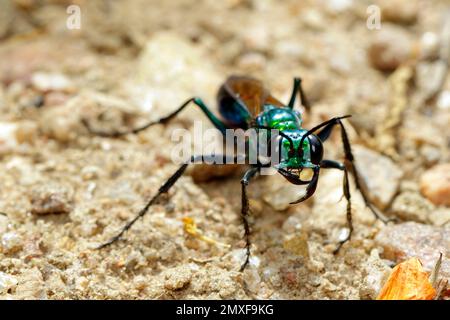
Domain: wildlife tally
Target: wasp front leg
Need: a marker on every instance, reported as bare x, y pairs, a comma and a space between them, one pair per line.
245, 207
330, 164
350, 161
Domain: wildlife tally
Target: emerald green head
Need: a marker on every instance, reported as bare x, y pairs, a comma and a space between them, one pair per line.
299, 150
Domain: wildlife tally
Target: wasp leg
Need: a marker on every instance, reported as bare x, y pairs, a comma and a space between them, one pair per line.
163, 189
251, 173
328, 127
298, 88
330, 164
197, 101
350, 163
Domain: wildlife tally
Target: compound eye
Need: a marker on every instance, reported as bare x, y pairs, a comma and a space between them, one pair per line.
316, 149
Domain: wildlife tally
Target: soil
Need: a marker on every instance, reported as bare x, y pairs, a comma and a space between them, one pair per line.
65, 191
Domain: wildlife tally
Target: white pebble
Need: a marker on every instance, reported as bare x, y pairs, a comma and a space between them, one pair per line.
51, 82
11, 241
254, 261
3, 224
443, 101
314, 20
238, 255
339, 5
343, 234
429, 45
8, 134
6, 282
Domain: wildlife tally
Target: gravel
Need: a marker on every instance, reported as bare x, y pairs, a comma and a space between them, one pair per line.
64, 191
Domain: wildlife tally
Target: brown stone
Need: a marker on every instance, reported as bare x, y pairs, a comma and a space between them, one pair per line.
411, 239
435, 184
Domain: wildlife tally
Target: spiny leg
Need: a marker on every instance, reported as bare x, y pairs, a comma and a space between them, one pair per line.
163, 189
197, 101
298, 88
245, 209
330, 164
349, 159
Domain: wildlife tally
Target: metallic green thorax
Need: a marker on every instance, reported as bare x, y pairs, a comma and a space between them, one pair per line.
288, 122
279, 118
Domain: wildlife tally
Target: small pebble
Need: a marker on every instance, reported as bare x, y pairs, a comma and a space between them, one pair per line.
170, 63
177, 278
90, 172
140, 282
11, 242
338, 6
435, 184
51, 82
256, 38
280, 194
6, 282
31, 285
429, 45
88, 229
440, 216
297, 244
254, 261
59, 125
55, 98
292, 224
32, 248
50, 200
376, 272
340, 64
431, 154
429, 75
389, 48
443, 101
3, 223
412, 206
252, 61
381, 175
8, 134
252, 280
400, 11
313, 20
26, 131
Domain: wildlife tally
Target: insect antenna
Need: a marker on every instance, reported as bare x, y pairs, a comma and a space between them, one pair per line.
291, 143
311, 131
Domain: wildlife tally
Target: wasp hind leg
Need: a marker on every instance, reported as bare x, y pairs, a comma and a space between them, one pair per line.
297, 87
163, 189
197, 101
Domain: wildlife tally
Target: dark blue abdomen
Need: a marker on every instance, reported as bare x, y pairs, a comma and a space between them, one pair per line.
232, 111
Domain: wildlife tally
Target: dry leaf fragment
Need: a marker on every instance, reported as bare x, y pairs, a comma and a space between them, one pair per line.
408, 281
191, 228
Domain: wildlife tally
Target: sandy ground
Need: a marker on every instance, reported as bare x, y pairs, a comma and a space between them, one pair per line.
64, 191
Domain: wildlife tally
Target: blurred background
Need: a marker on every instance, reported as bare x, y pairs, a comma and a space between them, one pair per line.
119, 63
152, 53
